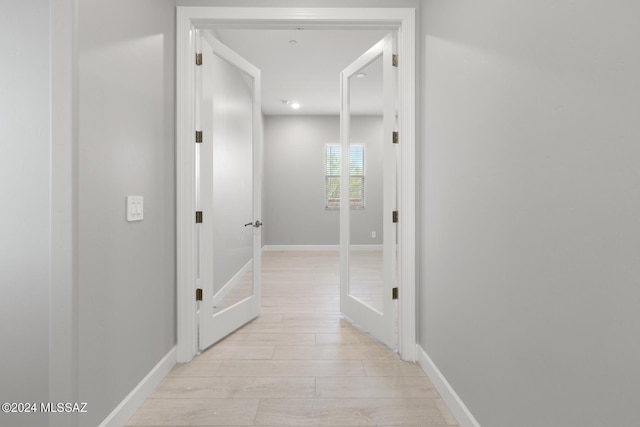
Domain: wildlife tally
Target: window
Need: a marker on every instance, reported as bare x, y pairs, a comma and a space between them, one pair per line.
333, 165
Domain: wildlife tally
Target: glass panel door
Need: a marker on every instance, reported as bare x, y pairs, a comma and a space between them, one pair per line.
368, 234
228, 191
366, 278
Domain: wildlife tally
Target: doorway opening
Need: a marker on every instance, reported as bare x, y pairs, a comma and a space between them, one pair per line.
191, 19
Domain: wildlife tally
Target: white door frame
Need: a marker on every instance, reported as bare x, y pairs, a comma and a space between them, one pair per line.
188, 18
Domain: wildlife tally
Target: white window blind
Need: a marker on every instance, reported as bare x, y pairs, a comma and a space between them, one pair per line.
333, 169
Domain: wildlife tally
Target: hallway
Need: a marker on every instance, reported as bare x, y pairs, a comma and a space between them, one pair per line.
300, 363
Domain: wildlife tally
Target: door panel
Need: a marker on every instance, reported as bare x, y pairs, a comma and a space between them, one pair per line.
228, 191
366, 130
368, 272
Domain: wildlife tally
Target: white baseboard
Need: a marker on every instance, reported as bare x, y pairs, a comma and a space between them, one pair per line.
301, 248
367, 248
448, 394
125, 410
319, 247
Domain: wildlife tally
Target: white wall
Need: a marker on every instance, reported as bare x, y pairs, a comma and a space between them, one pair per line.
530, 205
294, 182
126, 138
25, 150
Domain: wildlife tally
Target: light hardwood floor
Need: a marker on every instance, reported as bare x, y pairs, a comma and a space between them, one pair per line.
301, 363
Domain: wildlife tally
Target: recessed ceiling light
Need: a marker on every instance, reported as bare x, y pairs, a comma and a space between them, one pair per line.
295, 105
293, 41
361, 75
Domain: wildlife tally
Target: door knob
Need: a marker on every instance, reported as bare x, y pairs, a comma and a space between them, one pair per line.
257, 224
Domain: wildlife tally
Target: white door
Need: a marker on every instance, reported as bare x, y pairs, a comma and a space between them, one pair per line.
368, 273
228, 190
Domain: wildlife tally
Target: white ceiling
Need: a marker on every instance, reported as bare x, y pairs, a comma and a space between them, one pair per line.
309, 71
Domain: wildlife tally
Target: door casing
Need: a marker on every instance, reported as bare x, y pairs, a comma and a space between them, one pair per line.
189, 18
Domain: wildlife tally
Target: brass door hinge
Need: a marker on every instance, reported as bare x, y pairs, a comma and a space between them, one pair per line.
198, 294
394, 293
396, 137
198, 59
198, 217
198, 136
394, 60
394, 216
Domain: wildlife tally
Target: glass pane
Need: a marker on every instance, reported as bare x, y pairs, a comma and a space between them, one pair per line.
229, 117
366, 191
333, 192
356, 176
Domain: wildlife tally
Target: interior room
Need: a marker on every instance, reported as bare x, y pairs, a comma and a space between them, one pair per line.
524, 199
300, 97
302, 321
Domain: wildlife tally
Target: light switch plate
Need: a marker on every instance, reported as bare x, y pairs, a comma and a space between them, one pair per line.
135, 208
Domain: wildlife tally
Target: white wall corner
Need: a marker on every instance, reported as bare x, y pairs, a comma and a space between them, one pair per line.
448, 394
130, 404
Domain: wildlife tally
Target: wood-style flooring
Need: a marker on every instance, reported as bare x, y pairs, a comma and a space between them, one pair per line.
301, 363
